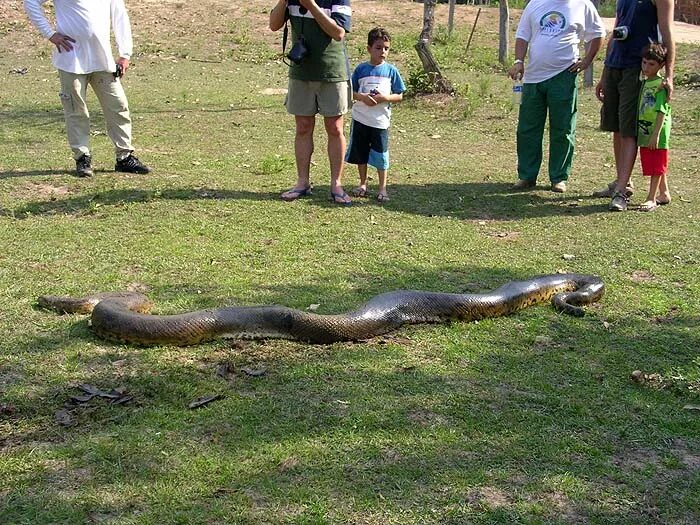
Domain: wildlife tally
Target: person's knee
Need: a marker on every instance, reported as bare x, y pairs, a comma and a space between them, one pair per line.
334, 127
304, 127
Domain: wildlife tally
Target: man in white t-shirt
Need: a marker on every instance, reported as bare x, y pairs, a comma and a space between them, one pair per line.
552, 31
83, 56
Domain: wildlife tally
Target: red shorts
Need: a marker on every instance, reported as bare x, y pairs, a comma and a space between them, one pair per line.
654, 161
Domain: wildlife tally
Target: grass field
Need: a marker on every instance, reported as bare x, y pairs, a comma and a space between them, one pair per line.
531, 418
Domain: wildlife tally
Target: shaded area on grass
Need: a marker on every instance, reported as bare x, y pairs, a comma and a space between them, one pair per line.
466, 201
434, 422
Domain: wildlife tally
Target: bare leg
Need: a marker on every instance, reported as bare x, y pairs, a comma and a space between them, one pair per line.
625, 156
650, 203
382, 183
361, 190
336, 152
303, 149
664, 195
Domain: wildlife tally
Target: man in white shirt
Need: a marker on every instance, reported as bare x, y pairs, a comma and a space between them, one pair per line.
83, 56
552, 29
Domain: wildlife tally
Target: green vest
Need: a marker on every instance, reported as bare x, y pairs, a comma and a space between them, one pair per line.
327, 60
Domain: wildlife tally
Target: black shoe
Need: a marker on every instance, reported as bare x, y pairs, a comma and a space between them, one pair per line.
131, 164
83, 166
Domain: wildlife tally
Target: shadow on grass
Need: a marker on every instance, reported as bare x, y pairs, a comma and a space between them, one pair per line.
32, 173
483, 423
466, 201
514, 432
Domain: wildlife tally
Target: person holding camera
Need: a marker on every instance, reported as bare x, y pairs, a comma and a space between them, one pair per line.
552, 32
83, 56
637, 23
318, 83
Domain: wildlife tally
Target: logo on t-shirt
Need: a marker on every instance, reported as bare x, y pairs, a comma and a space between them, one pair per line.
552, 23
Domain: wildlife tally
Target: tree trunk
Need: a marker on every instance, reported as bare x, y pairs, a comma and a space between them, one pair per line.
428, 20
430, 66
503, 31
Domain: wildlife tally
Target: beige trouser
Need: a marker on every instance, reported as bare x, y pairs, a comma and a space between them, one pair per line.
115, 107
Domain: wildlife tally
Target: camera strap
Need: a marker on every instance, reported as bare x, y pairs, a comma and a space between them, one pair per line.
285, 36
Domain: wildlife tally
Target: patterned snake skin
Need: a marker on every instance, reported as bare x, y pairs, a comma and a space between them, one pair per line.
123, 316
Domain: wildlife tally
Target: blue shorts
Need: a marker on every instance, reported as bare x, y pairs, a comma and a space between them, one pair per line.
368, 145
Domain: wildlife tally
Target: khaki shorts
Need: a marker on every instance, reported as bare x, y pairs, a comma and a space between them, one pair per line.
305, 98
620, 101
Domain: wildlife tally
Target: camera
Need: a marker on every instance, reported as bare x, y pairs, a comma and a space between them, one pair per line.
299, 51
621, 33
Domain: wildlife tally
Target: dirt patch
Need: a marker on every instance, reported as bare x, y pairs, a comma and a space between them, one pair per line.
41, 191
642, 276
489, 497
688, 456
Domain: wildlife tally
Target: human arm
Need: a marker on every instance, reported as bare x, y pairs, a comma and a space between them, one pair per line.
121, 26
664, 11
600, 86
593, 34
278, 15
593, 48
393, 97
518, 68
36, 15
654, 137
325, 22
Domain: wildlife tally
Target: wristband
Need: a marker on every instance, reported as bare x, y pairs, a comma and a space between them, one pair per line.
517, 61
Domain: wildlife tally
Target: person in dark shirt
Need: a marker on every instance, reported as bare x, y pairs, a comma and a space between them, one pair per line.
637, 23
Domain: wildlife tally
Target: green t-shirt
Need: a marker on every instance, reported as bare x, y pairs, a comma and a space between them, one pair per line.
327, 60
653, 100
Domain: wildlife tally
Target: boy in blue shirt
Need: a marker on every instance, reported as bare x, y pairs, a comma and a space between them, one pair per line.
375, 84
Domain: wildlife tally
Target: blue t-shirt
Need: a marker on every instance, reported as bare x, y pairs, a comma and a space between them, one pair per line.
640, 17
385, 79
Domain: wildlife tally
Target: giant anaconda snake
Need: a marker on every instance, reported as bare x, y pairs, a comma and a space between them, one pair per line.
123, 316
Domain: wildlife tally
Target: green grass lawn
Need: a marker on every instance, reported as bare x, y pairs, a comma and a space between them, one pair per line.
531, 418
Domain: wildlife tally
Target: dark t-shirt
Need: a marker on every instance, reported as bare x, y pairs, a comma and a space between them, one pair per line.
640, 17
327, 60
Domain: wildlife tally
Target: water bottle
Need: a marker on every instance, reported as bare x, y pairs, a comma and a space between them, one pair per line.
517, 91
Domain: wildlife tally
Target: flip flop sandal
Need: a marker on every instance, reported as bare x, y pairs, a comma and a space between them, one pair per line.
360, 192
292, 195
339, 199
648, 207
382, 198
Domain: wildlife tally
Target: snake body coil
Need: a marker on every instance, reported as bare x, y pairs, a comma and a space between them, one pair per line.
123, 316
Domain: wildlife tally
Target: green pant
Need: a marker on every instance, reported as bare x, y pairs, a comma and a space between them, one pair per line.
557, 95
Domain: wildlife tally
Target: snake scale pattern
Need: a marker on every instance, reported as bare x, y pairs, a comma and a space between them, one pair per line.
123, 316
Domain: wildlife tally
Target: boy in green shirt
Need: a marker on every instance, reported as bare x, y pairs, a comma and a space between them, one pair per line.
654, 127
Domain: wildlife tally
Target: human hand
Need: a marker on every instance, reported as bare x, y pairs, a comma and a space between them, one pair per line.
62, 42
378, 97
653, 141
667, 84
578, 66
516, 71
599, 88
368, 99
124, 63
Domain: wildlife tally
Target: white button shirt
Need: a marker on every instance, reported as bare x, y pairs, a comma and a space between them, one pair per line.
88, 22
